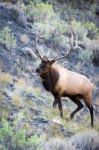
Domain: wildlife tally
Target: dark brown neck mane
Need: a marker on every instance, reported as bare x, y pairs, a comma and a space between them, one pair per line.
50, 79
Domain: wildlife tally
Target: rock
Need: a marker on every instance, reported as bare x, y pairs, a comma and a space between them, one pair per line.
96, 57
97, 11
14, 1
30, 19
26, 2
24, 39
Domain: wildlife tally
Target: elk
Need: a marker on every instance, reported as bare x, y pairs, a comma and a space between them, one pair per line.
62, 82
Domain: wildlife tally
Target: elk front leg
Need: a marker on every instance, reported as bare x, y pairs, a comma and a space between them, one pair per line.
58, 101
55, 100
55, 103
60, 108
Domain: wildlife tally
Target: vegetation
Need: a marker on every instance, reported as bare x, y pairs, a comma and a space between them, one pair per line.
12, 139
85, 56
27, 118
5, 78
7, 38
55, 29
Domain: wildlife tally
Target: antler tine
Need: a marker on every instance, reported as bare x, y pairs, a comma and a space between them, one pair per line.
68, 51
73, 45
36, 48
76, 43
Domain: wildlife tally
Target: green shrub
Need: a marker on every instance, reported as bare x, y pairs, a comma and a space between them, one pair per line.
91, 28
40, 11
79, 29
46, 20
53, 30
85, 56
12, 139
84, 29
5, 135
7, 38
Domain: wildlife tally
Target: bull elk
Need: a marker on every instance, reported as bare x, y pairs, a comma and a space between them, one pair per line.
62, 82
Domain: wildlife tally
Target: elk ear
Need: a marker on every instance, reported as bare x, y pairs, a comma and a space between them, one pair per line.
52, 61
45, 59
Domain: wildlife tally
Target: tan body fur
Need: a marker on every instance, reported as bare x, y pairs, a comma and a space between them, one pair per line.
73, 83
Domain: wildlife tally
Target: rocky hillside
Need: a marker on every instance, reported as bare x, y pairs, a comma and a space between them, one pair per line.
27, 118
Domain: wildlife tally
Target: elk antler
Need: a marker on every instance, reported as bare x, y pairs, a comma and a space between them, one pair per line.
36, 48
73, 45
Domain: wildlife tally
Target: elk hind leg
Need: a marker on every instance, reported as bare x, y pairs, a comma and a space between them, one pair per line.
91, 113
88, 101
78, 103
60, 108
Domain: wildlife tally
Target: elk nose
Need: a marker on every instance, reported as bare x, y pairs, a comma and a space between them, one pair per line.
38, 70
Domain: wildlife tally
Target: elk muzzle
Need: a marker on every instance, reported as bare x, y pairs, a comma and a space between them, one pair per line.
38, 70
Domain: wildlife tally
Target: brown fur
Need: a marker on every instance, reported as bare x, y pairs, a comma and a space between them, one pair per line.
63, 82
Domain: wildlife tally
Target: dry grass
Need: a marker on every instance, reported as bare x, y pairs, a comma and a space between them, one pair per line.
5, 78
17, 100
86, 140
58, 144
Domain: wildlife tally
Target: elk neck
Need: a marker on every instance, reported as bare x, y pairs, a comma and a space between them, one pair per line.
50, 79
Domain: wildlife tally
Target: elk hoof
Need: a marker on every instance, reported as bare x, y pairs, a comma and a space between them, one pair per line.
54, 105
61, 114
92, 125
71, 116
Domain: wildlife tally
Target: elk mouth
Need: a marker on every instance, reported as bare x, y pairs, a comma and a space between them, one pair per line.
38, 71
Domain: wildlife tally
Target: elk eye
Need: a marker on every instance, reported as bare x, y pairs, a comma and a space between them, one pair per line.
43, 65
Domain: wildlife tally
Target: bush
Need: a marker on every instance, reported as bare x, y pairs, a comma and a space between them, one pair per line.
59, 144
40, 11
88, 140
79, 29
7, 38
83, 30
46, 20
9, 139
91, 28
86, 56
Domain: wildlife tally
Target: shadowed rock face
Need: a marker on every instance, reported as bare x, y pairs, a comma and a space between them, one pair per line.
97, 11
96, 57
12, 12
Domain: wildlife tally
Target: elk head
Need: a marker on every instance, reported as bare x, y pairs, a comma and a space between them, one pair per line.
46, 64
